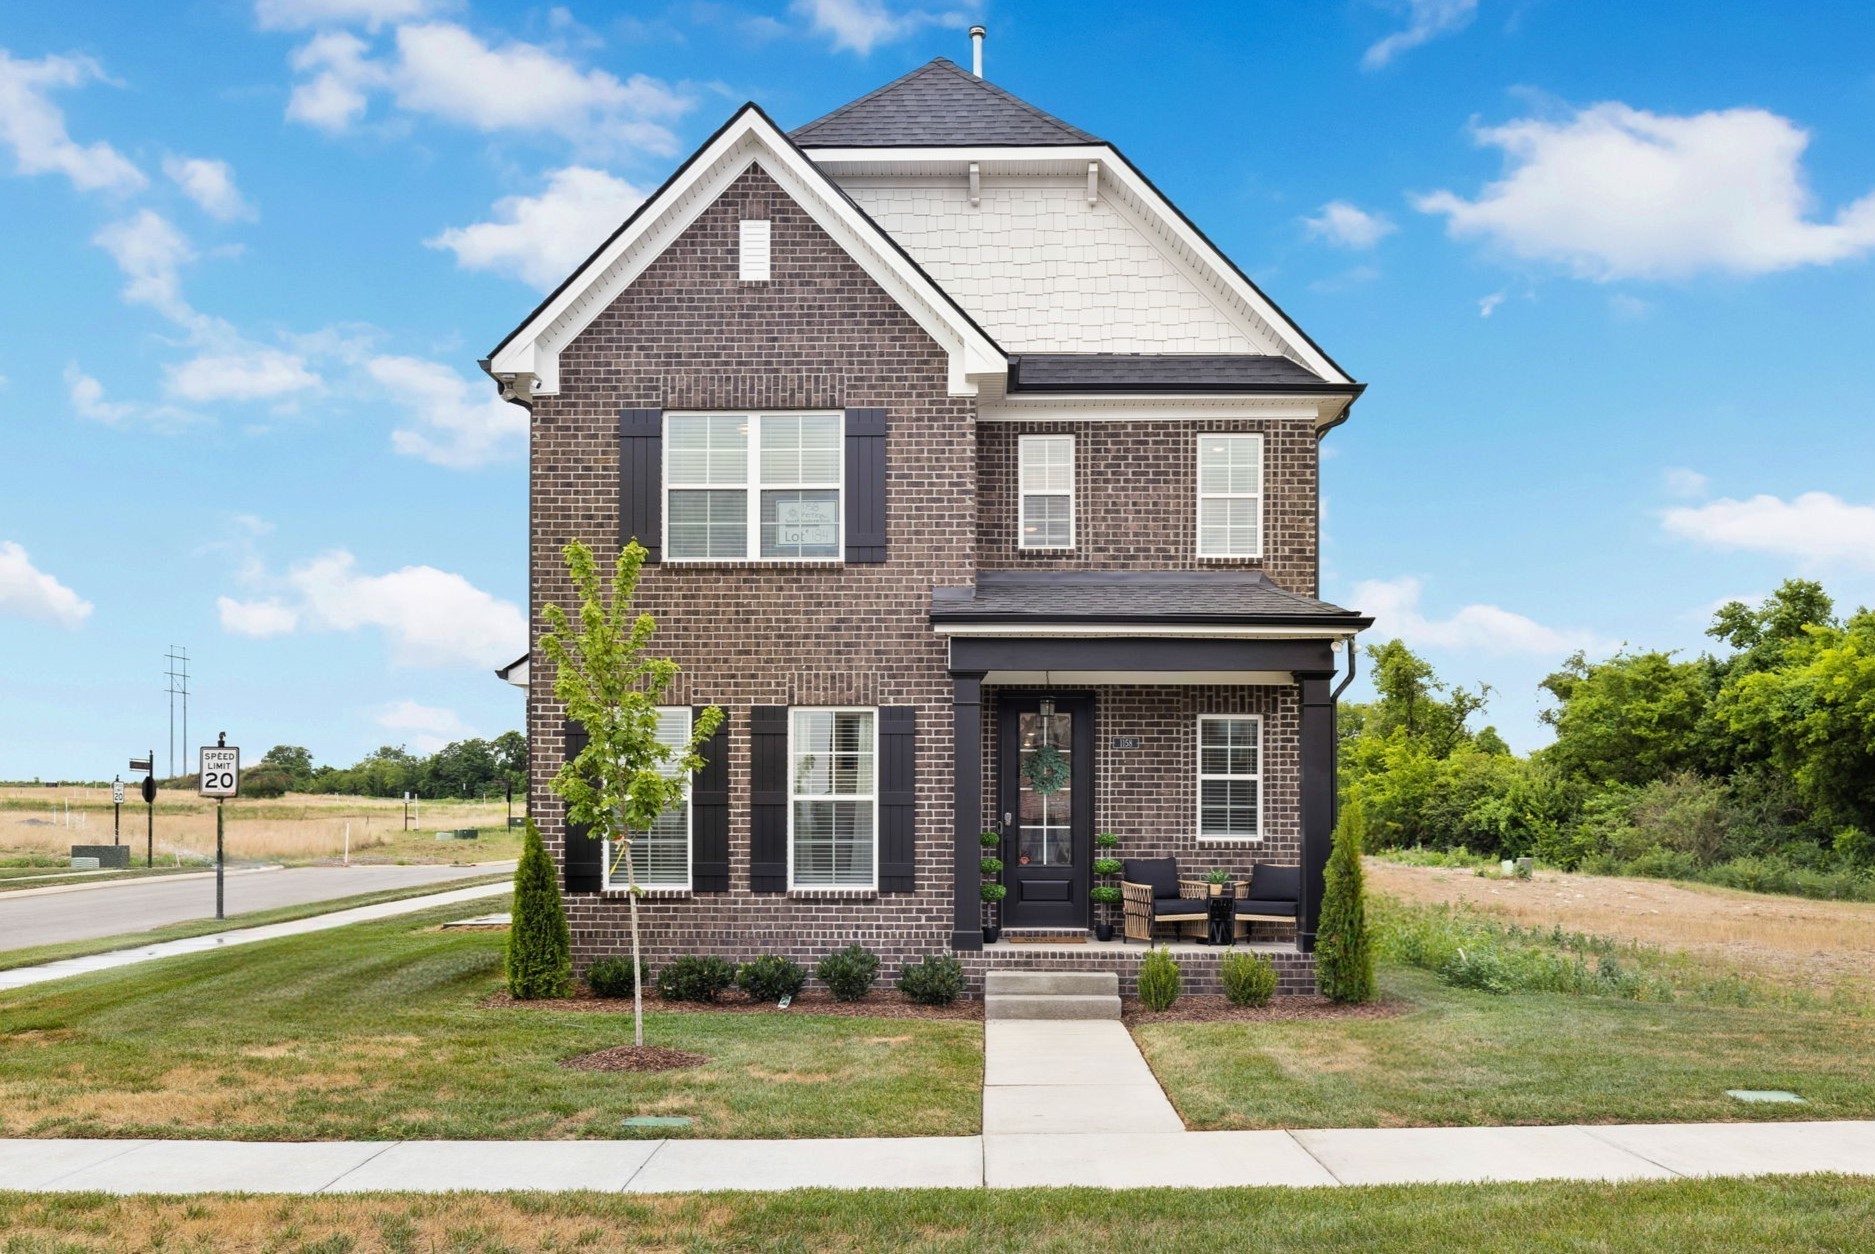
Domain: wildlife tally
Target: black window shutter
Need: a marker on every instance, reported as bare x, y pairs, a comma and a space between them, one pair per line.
865, 485
584, 859
768, 799
709, 814
641, 479
898, 799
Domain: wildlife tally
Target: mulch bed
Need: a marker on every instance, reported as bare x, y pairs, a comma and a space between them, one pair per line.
635, 1058
879, 1004
1214, 1008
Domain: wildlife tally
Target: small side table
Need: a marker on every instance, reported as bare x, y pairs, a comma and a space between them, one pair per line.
1218, 926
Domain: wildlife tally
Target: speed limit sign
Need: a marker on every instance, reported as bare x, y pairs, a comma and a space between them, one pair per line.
221, 771
117, 792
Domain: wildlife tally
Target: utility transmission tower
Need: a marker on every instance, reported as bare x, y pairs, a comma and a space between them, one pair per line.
178, 672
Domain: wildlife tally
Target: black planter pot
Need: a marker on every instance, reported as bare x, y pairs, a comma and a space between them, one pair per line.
1103, 931
991, 934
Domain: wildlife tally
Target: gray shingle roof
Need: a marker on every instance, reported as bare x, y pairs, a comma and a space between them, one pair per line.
1149, 372
937, 105
1134, 596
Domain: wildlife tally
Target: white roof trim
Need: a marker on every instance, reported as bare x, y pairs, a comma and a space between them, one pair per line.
749, 139
1128, 190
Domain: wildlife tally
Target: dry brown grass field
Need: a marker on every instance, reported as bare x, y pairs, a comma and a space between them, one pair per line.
1821, 944
296, 828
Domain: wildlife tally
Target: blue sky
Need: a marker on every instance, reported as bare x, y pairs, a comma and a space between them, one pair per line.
1605, 266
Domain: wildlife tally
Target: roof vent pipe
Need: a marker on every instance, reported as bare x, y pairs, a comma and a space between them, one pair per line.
976, 50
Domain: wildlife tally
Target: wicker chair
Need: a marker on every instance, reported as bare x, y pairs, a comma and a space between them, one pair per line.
1274, 897
1153, 894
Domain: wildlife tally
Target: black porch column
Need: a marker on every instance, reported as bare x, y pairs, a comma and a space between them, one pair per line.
967, 805
1318, 799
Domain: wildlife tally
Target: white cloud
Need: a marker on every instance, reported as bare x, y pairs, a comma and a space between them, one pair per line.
1342, 223
87, 397
28, 592
430, 617
1815, 528
1394, 605
210, 184
1685, 483
453, 424
1426, 20
442, 70
250, 373
150, 252
260, 620
34, 128
434, 727
371, 14
1616, 192
540, 239
1628, 308
1488, 305
861, 25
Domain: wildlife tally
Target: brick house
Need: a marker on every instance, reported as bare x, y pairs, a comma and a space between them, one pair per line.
968, 467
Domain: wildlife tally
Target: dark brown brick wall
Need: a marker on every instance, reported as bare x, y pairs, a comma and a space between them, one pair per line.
689, 335
1136, 502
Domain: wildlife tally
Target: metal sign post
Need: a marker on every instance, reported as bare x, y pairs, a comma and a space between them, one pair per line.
148, 791
221, 779
117, 811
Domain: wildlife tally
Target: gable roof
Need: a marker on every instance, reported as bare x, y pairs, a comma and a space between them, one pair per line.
1166, 372
938, 105
532, 350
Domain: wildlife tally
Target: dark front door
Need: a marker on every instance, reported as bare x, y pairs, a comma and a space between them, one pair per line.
1046, 802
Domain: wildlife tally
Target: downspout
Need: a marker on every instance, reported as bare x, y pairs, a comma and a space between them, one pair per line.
1354, 658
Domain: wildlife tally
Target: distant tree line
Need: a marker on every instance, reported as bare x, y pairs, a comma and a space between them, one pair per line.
1753, 765
467, 769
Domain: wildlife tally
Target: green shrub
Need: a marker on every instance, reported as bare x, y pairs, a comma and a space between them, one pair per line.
992, 892
849, 972
1482, 969
695, 978
1106, 866
770, 977
933, 981
989, 840
991, 866
1249, 979
1159, 980
1344, 965
1106, 894
1107, 840
612, 977
266, 781
540, 949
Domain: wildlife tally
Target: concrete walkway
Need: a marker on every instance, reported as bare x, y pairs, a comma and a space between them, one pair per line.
1340, 1156
21, 977
1045, 1077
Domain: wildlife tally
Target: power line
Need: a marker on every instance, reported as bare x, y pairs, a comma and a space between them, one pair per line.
178, 657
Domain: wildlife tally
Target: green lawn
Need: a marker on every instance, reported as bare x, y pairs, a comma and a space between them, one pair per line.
1464, 1057
37, 954
1697, 1216
374, 1031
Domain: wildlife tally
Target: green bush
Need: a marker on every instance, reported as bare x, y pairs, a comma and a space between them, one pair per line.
1107, 840
992, 892
1106, 894
1344, 965
991, 866
695, 978
612, 977
540, 949
266, 781
770, 977
1249, 979
1159, 980
933, 981
849, 972
989, 840
1106, 866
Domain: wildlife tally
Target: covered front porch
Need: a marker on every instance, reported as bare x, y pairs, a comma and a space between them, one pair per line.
1100, 717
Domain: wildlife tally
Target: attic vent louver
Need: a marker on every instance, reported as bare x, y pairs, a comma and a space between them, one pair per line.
753, 251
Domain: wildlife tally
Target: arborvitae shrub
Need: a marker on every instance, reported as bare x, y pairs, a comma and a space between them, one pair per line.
1159, 980
1344, 964
540, 950
1249, 979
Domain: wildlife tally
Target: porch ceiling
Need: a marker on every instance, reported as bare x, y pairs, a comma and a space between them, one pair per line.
1142, 659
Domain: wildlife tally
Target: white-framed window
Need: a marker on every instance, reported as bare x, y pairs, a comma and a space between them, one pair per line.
752, 251
754, 486
1230, 777
660, 858
1230, 495
1045, 484
833, 764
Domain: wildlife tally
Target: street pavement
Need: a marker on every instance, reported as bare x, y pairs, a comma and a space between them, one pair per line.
29, 918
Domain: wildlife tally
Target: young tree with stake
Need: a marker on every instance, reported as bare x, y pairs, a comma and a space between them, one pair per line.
625, 777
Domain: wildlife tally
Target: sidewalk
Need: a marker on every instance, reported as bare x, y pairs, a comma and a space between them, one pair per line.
20, 977
1340, 1156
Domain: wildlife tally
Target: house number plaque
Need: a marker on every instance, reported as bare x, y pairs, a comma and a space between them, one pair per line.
1126, 742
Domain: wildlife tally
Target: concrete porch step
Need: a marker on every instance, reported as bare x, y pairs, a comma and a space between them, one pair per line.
1044, 983
1051, 1006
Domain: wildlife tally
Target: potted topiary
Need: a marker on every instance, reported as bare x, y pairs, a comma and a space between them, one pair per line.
1105, 866
992, 891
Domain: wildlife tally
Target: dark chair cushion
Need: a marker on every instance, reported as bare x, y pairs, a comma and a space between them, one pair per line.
1275, 883
1161, 873
1178, 905
1266, 909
